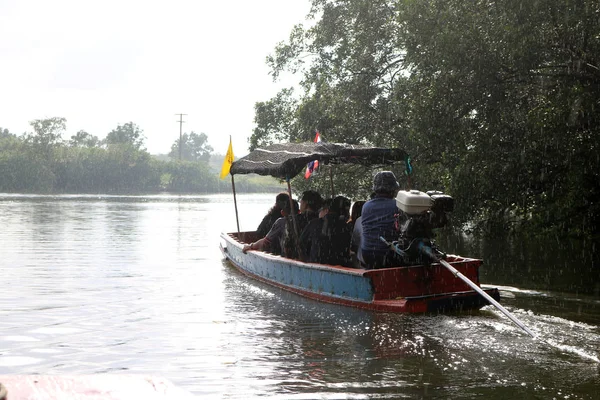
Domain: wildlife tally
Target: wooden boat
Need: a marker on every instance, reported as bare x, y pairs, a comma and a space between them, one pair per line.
412, 289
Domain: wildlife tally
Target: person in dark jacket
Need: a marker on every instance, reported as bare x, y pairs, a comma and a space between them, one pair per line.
378, 220
327, 240
310, 202
273, 215
310, 235
355, 225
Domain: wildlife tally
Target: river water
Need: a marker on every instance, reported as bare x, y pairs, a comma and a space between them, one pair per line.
137, 285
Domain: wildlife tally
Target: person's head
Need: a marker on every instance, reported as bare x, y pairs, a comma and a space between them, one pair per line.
324, 209
340, 206
280, 201
311, 200
287, 210
385, 184
356, 210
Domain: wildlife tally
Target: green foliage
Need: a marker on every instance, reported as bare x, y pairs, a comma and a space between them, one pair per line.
186, 176
41, 163
23, 170
251, 183
4, 133
352, 181
273, 119
518, 85
46, 134
84, 139
8, 141
195, 147
349, 60
128, 134
127, 169
495, 102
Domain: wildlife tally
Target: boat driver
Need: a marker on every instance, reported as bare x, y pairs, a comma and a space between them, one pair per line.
378, 220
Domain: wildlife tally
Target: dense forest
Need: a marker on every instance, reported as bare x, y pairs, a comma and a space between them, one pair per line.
42, 161
498, 103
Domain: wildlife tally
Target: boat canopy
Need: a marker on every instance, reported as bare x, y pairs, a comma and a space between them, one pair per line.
286, 160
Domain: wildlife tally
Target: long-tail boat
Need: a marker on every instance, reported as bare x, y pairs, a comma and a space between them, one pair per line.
432, 286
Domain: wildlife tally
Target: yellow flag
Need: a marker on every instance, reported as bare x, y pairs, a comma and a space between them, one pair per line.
227, 161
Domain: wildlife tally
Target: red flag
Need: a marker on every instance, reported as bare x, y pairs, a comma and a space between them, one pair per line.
313, 165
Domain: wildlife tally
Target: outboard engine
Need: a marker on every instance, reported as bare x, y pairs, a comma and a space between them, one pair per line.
420, 213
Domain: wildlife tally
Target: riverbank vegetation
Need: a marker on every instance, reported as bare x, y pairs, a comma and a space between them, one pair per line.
43, 162
496, 102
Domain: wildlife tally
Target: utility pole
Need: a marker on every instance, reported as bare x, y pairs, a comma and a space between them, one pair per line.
181, 121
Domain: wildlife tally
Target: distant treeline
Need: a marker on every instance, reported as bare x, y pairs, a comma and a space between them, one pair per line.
43, 162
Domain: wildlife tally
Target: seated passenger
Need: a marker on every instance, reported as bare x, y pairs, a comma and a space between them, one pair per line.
325, 205
308, 234
344, 207
309, 207
355, 225
272, 215
356, 211
327, 240
273, 240
378, 220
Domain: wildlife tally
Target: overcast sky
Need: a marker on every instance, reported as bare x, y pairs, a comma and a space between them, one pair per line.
103, 63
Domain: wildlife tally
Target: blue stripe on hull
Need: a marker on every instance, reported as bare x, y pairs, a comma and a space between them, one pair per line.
321, 281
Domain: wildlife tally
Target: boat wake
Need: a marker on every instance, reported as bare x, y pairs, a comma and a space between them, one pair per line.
573, 350
560, 334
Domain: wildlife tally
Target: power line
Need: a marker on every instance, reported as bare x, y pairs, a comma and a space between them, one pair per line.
181, 121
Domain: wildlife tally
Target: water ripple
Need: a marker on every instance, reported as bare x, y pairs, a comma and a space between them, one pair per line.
136, 284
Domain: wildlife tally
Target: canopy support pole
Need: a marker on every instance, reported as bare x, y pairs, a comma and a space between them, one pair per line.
237, 220
294, 222
331, 181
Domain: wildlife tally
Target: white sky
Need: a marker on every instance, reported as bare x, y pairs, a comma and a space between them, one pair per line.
103, 63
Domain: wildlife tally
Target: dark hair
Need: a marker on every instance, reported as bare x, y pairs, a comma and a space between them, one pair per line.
341, 206
326, 203
356, 210
287, 208
281, 200
313, 199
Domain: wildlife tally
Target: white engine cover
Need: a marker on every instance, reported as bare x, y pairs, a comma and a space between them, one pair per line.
413, 201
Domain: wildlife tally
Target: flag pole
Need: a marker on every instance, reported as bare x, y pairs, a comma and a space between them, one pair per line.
237, 221
226, 169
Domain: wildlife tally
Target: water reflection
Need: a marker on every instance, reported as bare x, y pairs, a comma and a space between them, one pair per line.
336, 348
137, 285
